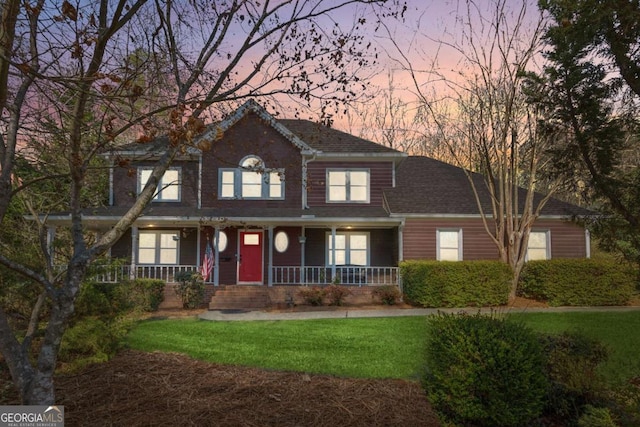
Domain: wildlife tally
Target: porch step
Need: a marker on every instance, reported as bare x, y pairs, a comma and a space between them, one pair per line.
240, 297
171, 298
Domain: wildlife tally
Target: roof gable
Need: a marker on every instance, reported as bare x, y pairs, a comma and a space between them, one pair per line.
309, 137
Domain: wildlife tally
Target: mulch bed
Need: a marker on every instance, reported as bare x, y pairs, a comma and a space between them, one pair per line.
160, 389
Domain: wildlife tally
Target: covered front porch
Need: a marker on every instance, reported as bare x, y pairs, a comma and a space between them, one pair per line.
259, 252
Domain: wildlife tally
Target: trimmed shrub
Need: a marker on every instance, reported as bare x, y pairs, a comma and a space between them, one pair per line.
572, 360
578, 282
388, 294
92, 340
313, 295
596, 417
456, 284
190, 288
483, 370
336, 294
147, 294
105, 300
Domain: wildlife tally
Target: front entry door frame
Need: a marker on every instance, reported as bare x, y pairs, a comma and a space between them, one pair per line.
250, 257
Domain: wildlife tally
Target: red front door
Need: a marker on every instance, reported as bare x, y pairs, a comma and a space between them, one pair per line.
250, 260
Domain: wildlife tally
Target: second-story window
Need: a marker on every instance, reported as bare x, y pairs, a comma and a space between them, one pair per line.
251, 180
350, 185
168, 187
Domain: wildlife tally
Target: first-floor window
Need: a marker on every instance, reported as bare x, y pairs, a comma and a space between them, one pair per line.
449, 245
538, 247
158, 247
351, 248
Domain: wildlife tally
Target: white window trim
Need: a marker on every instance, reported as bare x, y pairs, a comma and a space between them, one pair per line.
158, 249
547, 234
265, 189
347, 246
347, 172
460, 242
161, 185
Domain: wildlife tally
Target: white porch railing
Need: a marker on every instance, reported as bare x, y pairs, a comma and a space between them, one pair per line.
117, 273
282, 275
344, 275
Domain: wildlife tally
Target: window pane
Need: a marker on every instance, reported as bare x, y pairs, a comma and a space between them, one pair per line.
147, 256
227, 186
341, 241
449, 239
537, 248
168, 256
337, 194
537, 239
275, 185
359, 194
144, 177
170, 193
448, 254
337, 178
147, 240
169, 240
251, 162
358, 257
536, 254
251, 184
222, 237
170, 185
251, 178
281, 241
359, 178
358, 241
340, 257
251, 239
171, 176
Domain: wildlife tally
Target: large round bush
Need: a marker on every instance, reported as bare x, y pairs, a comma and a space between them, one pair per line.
484, 370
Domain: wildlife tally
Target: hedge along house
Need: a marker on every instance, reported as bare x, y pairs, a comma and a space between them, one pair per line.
290, 202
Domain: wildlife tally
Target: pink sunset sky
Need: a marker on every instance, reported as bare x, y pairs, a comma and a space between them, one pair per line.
423, 38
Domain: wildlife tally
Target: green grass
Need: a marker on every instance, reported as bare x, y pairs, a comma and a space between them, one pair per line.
364, 348
618, 331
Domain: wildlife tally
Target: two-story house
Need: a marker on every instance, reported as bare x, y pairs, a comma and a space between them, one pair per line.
291, 202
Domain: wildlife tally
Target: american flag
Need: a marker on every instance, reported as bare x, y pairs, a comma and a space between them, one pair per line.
207, 262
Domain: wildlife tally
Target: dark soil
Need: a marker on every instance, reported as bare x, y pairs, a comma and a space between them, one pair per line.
160, 389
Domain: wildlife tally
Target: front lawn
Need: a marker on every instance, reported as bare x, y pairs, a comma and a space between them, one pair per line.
363, 348
360, 348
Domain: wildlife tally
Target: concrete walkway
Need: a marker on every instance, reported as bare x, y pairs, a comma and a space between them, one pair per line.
231, 315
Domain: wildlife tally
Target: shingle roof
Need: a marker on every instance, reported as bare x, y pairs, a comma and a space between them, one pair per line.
431, 187
304, 134
326, 139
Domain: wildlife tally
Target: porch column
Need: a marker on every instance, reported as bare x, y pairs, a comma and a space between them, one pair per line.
333, 252
400, 242
134, 252
302, 239
216, 256
270, 268
51, 235
587, 242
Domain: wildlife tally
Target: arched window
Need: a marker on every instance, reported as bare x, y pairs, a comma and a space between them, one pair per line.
252, 179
